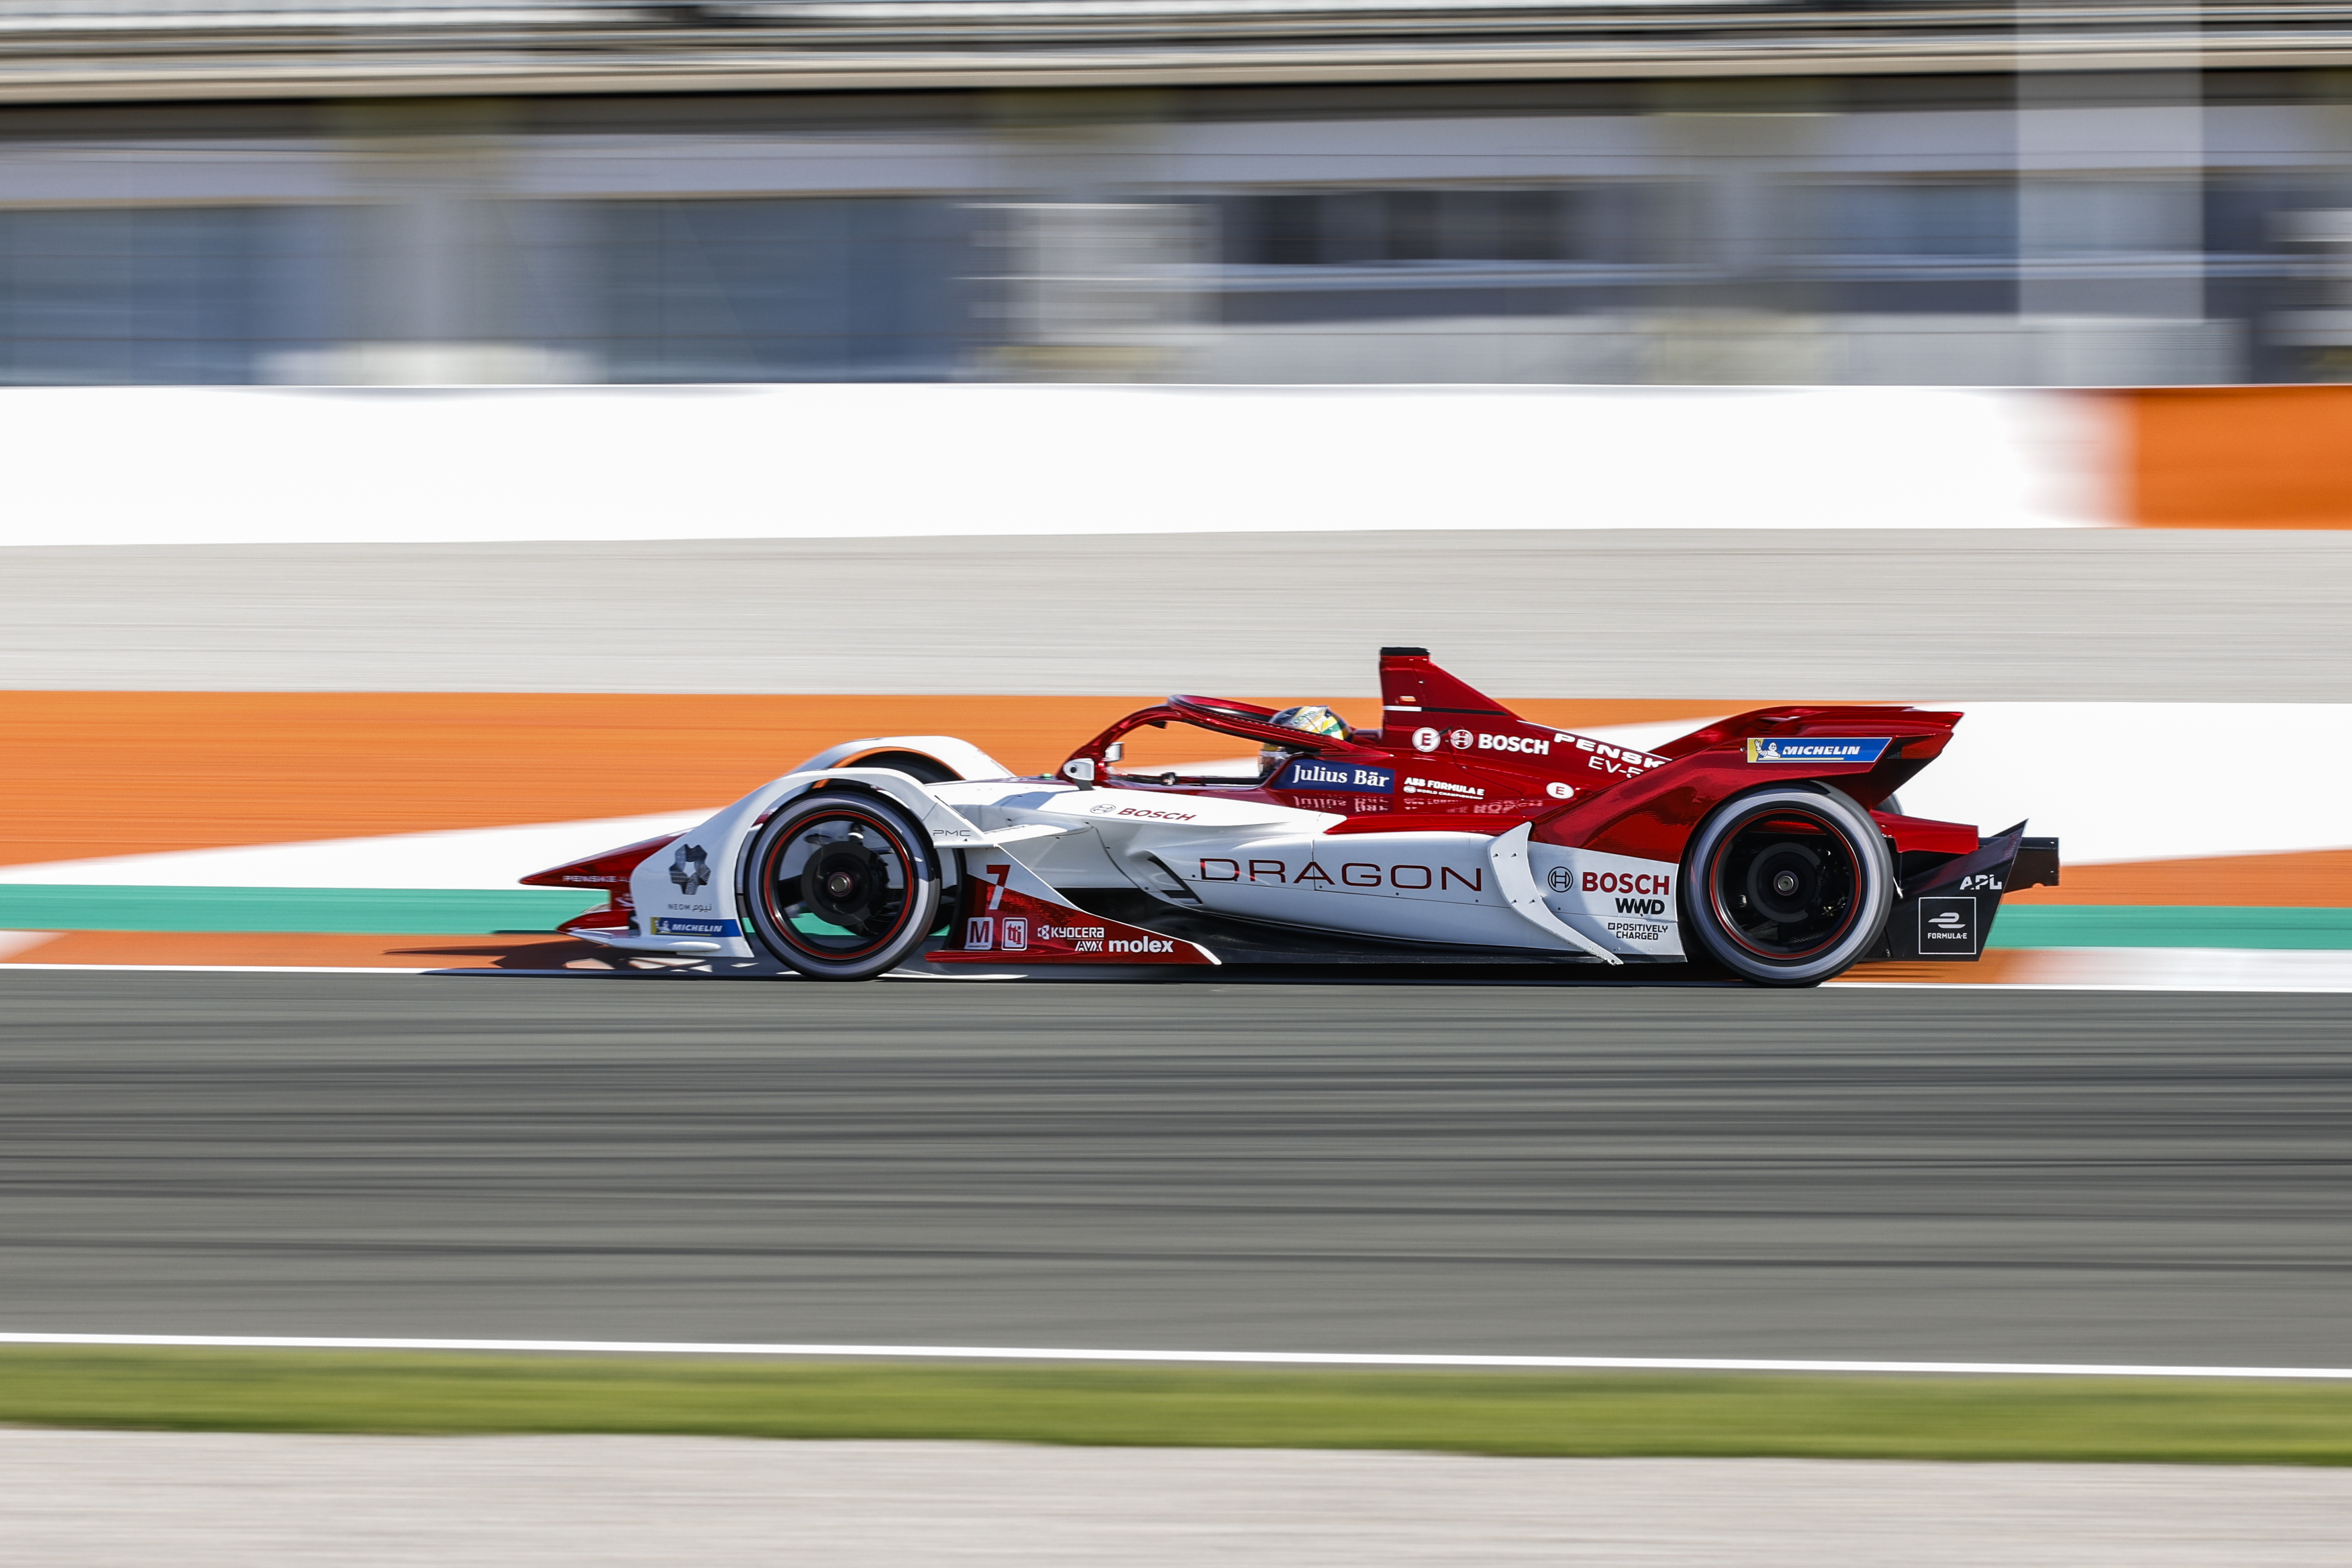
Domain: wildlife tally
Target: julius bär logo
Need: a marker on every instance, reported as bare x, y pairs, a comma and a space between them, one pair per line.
1308, 772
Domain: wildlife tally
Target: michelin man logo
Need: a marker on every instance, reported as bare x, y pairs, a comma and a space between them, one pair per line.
690, 869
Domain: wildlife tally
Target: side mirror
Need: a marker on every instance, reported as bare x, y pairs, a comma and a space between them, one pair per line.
1114, 750
1079, 768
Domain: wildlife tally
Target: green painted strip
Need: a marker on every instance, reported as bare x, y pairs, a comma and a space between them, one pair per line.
375, 911
2043, 1420
457, 911
2148, 925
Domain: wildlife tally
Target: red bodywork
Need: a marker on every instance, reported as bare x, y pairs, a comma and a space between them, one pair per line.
1465, 764
1003, 925
610, 871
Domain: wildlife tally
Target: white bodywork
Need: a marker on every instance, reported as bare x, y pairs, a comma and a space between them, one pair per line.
1241, 858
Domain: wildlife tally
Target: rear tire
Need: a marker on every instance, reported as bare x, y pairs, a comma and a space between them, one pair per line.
842, 886
1788, 886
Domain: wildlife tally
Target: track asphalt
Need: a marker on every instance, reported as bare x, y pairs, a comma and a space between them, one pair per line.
1901, 1173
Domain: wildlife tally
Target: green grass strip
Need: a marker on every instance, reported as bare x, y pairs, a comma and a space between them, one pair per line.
1588, 1414
384, 912
2148, 925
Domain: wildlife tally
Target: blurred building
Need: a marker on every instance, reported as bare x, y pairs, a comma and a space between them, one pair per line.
382, 192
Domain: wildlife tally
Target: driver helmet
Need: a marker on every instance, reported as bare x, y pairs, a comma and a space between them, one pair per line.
1314, 719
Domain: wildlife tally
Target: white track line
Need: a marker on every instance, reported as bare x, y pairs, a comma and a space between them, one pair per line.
459, 971
1258, 1358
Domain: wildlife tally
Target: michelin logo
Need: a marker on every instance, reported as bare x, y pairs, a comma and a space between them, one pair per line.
1308, 773
1772, 748
673, 925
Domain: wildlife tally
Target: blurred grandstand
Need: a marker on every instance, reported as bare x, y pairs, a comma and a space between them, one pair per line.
379, 192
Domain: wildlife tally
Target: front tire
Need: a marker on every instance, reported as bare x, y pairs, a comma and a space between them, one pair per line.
842, 886
1788, 886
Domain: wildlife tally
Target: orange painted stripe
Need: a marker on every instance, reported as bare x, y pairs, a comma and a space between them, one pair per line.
2318, 878
2002, 966
116, 773
2239, 457
111, 772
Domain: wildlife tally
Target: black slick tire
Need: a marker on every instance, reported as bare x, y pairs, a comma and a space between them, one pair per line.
1789, 885
842, 885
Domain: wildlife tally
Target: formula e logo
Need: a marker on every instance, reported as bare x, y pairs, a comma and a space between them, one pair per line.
1767, 749
1426, 739
690, 869
1947, 925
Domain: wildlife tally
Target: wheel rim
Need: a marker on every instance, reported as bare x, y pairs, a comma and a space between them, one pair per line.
1786, 883
840, 885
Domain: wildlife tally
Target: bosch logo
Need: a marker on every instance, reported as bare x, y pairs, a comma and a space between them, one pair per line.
1510, 743
1561, 879
1462, 740
1627, 882
1426, 739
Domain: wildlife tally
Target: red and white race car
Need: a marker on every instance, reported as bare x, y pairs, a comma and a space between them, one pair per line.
1766, 846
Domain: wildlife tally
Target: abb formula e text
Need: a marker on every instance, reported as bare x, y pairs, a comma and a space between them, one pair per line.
1767, 846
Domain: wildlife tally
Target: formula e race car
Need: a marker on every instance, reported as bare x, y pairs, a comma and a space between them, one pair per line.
1768, 846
